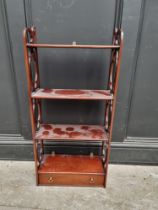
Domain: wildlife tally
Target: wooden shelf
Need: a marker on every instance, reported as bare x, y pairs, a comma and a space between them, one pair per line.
71, 132
86, 46
63, 169
75, 94
71, 164
71, 170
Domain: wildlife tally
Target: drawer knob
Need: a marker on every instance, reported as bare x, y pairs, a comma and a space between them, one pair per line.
91, 181
51, 179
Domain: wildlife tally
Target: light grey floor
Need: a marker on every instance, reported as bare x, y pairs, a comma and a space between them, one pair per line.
129, 188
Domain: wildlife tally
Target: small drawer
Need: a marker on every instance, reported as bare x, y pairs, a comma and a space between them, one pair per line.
71, 179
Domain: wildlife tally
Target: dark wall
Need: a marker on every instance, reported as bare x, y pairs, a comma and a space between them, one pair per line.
135, 136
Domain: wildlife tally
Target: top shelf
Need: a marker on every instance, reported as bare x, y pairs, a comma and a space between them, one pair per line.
72, 46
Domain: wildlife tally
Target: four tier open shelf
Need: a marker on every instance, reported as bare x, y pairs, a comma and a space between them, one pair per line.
61, 169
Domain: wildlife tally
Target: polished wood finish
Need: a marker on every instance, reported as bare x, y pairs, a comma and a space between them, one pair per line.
71, 170
62, 169
76, 94
74, 164
72, 132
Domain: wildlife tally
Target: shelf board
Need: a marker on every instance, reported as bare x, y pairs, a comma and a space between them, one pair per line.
75, 94
85, 46
71, 132
73, 164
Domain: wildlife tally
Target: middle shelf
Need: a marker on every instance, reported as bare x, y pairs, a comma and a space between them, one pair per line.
72, 132
76, 94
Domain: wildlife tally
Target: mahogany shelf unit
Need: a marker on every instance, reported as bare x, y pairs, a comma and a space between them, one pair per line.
75, 170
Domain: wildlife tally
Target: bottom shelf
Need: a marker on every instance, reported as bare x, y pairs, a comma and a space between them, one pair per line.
71, 170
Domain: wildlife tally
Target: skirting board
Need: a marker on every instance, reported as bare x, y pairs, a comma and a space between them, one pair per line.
120, 153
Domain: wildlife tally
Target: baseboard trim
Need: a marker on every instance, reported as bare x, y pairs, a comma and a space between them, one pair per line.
121, 153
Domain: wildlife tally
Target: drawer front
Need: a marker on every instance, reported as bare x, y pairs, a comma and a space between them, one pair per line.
71, 179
